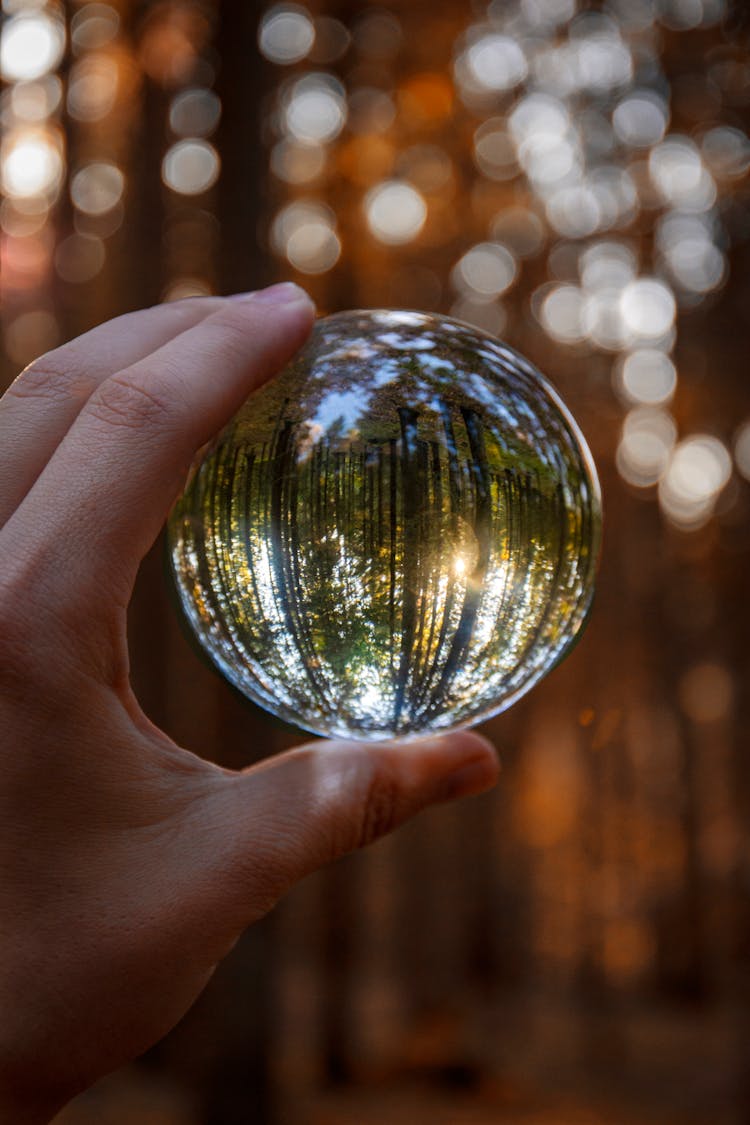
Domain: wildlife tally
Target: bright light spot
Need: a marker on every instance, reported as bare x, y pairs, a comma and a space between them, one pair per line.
522, 231
35, 101
680, 176
92, 88
684, 15
485, 271
296, 163
547, 159
496, 62
190, 167
607, 265
286, 34
316, 108
97, 188
21, 222
538, 114
93, 26
648, 437
30, 335
304, 232
294, 215
727, 151
31, 45
545, 13
602, 320
574, 211
646, 376
494, 151
561, 312
696, 264
32, 164
699, 468
648, 308
79, 258
742, 450
615, 195
602, 62
313, 247
395, 211
706, 692
194, 113
641, 119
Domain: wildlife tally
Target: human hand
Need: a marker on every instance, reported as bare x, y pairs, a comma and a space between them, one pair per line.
129, 866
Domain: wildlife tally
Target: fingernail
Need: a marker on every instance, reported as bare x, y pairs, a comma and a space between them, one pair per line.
285, 293
475, 777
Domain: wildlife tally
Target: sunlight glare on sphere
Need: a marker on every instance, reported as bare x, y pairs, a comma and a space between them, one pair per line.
396, 535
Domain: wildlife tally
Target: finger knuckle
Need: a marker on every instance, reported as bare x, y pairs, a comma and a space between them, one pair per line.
122, 401
380, 807
49, 379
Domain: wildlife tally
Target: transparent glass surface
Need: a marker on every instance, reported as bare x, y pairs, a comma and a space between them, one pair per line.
397, 535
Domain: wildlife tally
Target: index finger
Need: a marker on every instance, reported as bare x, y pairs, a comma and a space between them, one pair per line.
42, 403
98, 505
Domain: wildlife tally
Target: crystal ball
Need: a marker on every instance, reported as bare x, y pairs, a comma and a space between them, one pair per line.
397, 535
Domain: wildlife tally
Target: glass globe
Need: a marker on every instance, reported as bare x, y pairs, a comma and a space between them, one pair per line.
397, 535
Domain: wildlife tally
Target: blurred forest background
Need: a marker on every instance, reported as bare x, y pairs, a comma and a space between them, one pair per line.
574, 948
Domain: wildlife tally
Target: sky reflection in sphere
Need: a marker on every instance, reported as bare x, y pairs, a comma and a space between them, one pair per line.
397, 535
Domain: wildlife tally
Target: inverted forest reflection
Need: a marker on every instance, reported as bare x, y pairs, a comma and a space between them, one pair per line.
398, 535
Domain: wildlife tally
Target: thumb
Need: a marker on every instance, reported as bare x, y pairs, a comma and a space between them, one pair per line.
292, 814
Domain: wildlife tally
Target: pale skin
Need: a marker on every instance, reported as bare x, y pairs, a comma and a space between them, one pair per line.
128, 865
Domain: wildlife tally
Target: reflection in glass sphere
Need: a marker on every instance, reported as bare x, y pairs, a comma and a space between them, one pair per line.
397, 535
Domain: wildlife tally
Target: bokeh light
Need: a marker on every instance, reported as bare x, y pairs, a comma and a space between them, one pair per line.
316, 108
706, 692
646, 376
699, 468
286, 34
742, 450
191, 167
646, 443
31, 44
94, 25
97, 188
30, 334
485, 271
304, 232
194, 112
34, 101
648, 308
31, 163
80, 258
297, 163
395, 212
640, 119
92, 87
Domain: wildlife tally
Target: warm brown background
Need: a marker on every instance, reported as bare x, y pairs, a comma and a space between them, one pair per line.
574, 948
